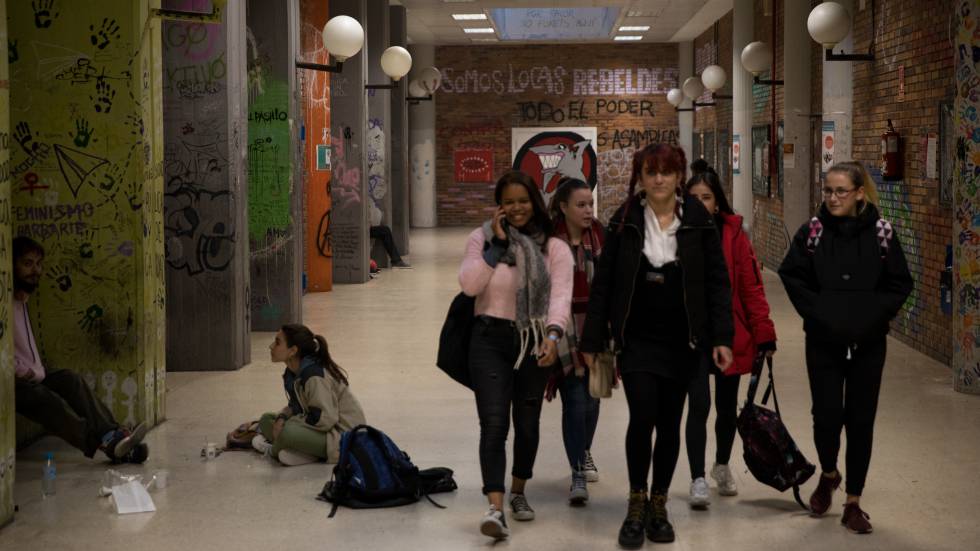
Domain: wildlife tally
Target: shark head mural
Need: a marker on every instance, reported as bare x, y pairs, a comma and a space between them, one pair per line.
549, 156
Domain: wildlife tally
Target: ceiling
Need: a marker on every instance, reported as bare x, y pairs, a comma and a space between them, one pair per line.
431, 21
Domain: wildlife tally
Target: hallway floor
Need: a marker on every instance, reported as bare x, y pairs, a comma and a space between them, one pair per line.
923, 490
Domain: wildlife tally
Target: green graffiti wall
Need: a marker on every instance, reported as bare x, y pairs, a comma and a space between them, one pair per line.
7, 440
268, 157
86, 182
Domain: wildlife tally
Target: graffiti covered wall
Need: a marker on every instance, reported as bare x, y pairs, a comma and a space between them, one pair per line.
7, 415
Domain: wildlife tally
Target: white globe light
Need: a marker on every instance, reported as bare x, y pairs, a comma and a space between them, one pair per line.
757, 57
693, 88
713, 77
828, 24
415, 89
396, 62
675, 97
430, 78
343, 37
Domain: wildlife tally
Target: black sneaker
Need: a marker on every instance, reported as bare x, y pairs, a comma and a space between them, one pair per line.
631, 532
658, 528
125, 441
137, 455
520, 509
494, 525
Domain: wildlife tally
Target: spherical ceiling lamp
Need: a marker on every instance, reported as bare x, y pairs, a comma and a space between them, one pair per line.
828, 24
675, 97
757, 57
713, 77
430, 78
396, 62
693, 88
343, 37
415, 89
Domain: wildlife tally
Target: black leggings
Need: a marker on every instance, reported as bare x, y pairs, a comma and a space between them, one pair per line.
726, 406
845, 395
654, 401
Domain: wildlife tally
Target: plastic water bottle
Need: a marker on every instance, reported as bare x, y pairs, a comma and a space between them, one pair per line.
48, 475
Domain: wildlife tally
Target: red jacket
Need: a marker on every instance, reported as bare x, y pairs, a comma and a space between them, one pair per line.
750, 309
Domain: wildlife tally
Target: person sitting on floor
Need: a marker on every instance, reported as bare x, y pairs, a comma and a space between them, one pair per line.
383, 233
321, 406
59, 399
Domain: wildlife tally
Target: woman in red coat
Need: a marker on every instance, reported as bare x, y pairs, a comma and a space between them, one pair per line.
755, 335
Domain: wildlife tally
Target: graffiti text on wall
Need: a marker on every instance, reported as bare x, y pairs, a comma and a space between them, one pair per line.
633, 81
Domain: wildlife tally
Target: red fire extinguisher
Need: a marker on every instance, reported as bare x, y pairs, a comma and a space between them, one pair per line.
891, 154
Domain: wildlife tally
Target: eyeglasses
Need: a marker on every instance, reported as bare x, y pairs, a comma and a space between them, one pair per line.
840, 193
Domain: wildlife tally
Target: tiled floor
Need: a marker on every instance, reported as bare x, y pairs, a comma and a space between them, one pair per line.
923, 491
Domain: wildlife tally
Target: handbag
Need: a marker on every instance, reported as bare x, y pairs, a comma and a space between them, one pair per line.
603, 378
769, 451
241, 437
454, 340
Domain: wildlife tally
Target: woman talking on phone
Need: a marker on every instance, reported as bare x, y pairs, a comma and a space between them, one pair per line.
521, 277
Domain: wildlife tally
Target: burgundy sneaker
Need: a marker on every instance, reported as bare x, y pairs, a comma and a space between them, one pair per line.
855, 519
822, 497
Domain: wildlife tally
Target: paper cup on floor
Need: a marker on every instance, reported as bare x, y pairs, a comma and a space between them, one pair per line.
161, 479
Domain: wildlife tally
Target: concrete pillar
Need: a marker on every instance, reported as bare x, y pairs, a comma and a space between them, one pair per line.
204, 95
422, 145
838, 93
796, 120
966, 272
349, 185
742, 29
685, 119
274, 203
398, 131
8, 441
378, 126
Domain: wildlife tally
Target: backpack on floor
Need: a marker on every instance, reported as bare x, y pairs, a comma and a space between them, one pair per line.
768, 449
373, 472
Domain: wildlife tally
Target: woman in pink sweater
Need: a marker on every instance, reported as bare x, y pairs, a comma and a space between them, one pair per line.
521, 277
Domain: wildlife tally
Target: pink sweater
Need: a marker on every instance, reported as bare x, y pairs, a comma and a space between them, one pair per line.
495, 288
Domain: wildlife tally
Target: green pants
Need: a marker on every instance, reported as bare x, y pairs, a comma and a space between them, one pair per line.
295, 435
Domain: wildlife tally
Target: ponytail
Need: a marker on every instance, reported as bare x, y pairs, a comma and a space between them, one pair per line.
309, 344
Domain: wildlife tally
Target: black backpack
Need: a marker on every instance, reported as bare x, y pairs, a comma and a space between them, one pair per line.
768, 449
454, 340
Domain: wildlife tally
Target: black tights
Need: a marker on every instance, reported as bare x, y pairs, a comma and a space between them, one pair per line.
726, 411
654, 401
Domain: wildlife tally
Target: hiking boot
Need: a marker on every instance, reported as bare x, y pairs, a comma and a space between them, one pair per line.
658, 528
700, 496
578, 494
855, 519
494, 525
520, 510
589, 468
822, 497
726, 482
292, 458
631, 532
137, 455
123, 441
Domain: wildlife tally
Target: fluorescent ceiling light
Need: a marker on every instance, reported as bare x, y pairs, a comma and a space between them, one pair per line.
478, 30
469, 16
484, 40
640, 28
628, 37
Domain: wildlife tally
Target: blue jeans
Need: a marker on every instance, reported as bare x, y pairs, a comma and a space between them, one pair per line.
579, 417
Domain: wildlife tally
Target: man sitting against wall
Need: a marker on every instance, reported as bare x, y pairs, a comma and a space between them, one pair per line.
59, 399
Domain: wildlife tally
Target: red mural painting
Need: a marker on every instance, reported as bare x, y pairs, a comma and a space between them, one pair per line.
474, 166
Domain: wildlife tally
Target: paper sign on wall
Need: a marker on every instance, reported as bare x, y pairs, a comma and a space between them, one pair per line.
789, 155
736, 154
322, 157
827, 147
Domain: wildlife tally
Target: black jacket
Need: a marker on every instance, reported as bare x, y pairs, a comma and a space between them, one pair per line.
842, 287
707, 291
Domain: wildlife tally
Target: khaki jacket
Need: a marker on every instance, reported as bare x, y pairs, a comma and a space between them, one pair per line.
328, 405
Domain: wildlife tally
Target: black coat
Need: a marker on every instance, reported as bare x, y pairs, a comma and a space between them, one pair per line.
844, 290
707, 290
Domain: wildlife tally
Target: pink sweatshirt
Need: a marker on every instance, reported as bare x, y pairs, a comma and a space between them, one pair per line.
495, 288
27, 360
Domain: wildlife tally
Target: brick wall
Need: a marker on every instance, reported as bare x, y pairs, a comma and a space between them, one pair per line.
487, 90
713, 125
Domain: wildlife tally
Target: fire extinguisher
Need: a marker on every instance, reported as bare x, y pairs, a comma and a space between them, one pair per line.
891, 154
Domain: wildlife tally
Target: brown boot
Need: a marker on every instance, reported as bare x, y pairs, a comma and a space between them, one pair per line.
855, 519
822, 497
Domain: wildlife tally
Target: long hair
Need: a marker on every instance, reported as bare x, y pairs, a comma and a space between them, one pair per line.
859, 178
710, 178
659, 158
540, 221
309, 344
566, 186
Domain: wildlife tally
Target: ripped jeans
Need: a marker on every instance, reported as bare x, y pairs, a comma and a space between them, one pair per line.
501, 391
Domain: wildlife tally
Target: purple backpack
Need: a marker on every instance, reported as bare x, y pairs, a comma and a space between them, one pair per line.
769, 451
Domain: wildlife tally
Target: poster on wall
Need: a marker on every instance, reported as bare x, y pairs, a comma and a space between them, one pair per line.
549, 153
827, 147
736, 154
473, 166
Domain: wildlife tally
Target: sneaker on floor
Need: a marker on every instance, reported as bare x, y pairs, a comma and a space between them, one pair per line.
578, 494
822, 497
520, 510
589, 468
855, 519
401, 264
261, 445
726, 482
631, 532
292, 458
700, 496
658, 527
137, 455
124, 441
494, 525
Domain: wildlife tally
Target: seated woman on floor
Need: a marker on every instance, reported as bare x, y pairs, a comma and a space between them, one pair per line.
321, 406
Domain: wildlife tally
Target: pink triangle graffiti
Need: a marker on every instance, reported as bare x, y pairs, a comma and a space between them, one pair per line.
76, 166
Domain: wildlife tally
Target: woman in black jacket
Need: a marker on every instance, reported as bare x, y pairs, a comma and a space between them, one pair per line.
662, 294
847, 277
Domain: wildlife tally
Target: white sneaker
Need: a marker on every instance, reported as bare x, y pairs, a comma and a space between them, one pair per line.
726, 482
292, 458
494, 525
700, 496
261, 445
589, 468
